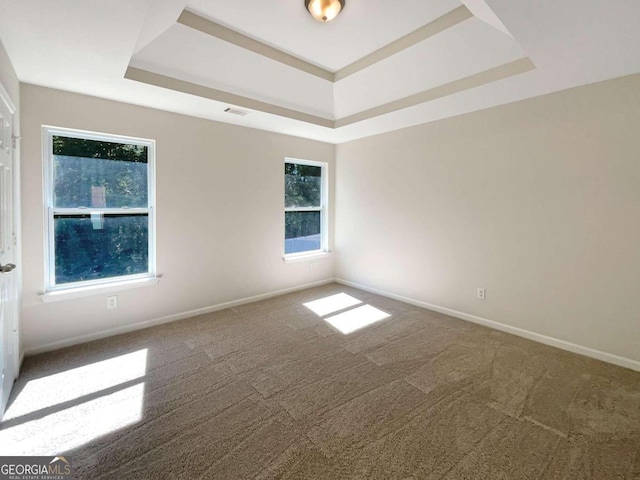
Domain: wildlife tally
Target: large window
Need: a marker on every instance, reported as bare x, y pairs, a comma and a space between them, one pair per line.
99, 192
305, 200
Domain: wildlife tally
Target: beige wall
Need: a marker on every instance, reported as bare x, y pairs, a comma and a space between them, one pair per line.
220, 220
538, 202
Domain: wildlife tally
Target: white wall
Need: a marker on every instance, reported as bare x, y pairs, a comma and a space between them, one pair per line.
8, 77
537, 201
220, 217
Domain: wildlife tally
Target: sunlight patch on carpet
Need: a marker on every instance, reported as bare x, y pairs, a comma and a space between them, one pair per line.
75, 426
332, 304
58, 412
357, 318
77, 382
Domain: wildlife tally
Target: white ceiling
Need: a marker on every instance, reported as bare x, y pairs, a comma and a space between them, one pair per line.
87, 46
460, 51
179, 53
361, 28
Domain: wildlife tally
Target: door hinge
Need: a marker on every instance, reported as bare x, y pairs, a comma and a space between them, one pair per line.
15, 139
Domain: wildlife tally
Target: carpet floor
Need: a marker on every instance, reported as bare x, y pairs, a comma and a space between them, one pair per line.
326, 383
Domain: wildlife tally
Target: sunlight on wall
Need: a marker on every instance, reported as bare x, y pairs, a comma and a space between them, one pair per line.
332, 304
349, 319
352, 320
75, 407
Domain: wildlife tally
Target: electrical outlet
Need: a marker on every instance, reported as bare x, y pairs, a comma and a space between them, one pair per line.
112, 302
482, 294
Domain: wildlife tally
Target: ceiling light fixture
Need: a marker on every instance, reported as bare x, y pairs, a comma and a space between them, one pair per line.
324, 10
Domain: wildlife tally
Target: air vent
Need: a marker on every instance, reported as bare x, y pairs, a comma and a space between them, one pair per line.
236, 111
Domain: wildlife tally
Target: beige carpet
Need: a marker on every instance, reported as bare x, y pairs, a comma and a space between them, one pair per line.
275, 390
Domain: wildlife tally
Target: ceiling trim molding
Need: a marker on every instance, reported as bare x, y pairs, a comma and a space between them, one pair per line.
472, 81
431, 29
151, 78
209, 27
501, 72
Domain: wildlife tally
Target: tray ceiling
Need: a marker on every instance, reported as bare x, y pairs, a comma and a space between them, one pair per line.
375, 68
287, 25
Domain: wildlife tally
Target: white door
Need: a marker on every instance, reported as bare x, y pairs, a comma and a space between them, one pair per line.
8, 280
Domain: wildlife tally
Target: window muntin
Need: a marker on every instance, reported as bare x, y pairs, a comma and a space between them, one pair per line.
99, 201
305, 206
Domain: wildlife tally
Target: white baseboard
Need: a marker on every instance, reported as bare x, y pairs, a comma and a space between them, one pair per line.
520, 332
169, 318
536, 337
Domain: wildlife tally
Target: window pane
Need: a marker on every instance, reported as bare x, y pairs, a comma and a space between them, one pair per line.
302, 185
91, 247
302, 232
90, 173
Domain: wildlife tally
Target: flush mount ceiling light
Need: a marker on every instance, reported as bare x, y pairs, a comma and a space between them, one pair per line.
324, 10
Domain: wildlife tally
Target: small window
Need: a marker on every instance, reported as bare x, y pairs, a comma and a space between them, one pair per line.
99, 192
305, 194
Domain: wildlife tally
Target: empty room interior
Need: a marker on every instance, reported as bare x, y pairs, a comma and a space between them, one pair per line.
320, 239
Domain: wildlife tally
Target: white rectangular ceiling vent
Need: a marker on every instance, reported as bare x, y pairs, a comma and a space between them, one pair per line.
236, 111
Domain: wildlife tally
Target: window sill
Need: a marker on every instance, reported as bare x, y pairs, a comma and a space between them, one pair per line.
68, 294
301, 257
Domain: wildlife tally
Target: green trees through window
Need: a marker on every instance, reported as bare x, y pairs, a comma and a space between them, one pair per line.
100, 209
303, 207
90, 173
109, 246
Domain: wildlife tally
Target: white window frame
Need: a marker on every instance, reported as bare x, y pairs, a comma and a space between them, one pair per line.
323, 209
48, 132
